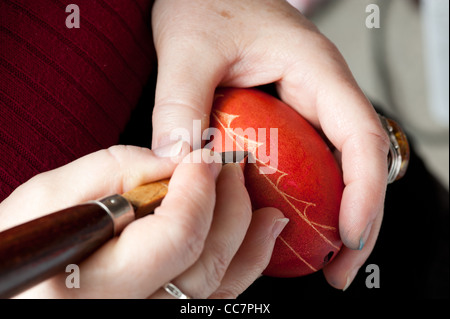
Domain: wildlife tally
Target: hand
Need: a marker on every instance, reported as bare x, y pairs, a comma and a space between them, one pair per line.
243, 43
203, 237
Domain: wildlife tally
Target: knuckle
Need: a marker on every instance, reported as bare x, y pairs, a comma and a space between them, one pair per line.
190, 240
375, 137
381, 140
217, 267
261, 257
201, 188
170, 106
39, 188
226, 293
115, 154
246, 207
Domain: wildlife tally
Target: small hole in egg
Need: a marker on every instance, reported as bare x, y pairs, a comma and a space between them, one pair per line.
328, 257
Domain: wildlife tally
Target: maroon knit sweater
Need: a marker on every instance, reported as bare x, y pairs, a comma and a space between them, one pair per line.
67, 92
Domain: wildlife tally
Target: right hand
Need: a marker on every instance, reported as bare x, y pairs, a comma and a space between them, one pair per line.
203, 237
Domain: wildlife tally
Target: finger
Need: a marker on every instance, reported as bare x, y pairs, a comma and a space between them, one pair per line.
106, 172
173, 238
232, 217
343, 269
156, 248
254, 254
184, 90
348, 120
364, 147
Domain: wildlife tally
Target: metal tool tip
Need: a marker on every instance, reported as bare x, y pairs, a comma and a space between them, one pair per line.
234, 157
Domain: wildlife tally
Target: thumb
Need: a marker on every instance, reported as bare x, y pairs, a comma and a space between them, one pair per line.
103, 173
185, 90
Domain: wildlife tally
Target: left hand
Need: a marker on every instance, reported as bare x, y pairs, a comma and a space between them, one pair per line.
201, 45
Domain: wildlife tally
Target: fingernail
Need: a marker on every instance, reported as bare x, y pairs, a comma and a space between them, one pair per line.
350, 277
278, 226
170, 150
365, 236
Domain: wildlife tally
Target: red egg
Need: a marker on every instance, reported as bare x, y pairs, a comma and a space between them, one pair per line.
291, 168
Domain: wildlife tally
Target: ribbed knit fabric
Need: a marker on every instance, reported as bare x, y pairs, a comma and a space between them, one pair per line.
67, 92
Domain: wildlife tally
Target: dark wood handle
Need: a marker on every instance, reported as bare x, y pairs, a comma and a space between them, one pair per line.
39, 249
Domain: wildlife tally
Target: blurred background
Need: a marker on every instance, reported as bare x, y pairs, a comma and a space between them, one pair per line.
402, 66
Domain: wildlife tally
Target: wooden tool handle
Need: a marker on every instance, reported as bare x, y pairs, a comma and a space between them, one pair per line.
146, 198
39, 249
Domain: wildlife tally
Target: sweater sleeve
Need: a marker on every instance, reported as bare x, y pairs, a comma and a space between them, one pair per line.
66, 92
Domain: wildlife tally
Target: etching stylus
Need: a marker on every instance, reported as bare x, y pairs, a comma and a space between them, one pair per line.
41, 248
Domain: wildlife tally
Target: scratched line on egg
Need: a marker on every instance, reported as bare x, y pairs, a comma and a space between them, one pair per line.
252, 146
